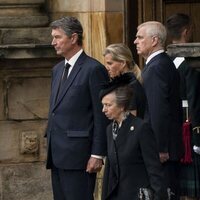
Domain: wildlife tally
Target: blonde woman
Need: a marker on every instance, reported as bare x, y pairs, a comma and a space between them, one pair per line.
119, 60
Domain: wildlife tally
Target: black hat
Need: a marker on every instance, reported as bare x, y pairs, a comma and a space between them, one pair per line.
118, 81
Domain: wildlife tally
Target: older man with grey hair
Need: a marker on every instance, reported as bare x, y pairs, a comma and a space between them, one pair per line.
161, 85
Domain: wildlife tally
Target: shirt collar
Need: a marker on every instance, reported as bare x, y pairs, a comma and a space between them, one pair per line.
154, 54
74, 58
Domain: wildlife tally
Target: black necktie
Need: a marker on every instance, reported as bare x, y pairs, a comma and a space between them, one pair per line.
65, 72
63, 78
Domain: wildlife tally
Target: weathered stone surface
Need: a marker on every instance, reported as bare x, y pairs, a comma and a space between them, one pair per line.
25, 182
1, 101
11, 141
25, 51
113, 5
98, 35
98, 188
29, 142
25, 69
26, 36
102, 27
69, 5
87, 6
191, 52
28, 98
37, 66
184, 50
112, 27
18, 2
20, 10
23, 21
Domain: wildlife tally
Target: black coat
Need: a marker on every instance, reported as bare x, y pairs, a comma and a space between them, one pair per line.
190, 89
132, 162
138, 101
161, 83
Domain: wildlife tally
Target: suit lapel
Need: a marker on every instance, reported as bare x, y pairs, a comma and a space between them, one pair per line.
66, 85
124, 130
56, 84
114, 165
145, 68
151, 61
114, 147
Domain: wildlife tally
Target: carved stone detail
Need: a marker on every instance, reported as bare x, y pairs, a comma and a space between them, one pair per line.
29, 142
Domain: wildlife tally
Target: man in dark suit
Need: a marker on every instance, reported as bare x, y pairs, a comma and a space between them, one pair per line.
161, 84
76, 124
180, 27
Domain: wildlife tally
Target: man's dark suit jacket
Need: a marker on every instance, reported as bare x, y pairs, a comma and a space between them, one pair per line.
161, 82
132, 162
76, 124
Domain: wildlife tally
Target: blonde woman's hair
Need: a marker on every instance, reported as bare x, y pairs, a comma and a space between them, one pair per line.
121, 53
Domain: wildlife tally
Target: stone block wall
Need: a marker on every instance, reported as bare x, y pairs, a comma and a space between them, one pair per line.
26, 60
25, 79
102, 20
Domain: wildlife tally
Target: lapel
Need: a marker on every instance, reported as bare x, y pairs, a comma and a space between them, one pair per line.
113, 173
56, 83
146, 66
124, 131
114, 146
66, 85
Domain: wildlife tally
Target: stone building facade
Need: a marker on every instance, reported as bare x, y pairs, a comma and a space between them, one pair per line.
26, 59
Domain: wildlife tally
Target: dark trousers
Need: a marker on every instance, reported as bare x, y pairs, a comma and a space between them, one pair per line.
72, 184
172, 170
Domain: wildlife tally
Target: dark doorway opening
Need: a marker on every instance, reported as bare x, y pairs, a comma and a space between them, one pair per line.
131, 23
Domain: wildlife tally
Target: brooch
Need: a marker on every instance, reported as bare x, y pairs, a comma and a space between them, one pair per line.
132, 128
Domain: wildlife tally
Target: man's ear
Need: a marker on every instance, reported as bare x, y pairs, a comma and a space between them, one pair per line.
188, 34
185, 32
155, 41
74, 38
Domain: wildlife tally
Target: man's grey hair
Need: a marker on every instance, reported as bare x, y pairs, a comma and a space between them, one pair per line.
69, 25
155, 28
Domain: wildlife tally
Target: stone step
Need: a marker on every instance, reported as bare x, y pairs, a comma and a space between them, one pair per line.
25, 36
17, 2
20, 10
184, 50
24, 21
26, 51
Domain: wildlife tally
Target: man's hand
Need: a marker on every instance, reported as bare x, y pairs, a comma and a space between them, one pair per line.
164, 157
94, 165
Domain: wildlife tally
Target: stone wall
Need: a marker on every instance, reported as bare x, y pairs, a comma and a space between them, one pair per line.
102, 20
25, 79
26, 59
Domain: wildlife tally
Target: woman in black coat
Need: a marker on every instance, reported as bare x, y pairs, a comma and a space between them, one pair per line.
132, 163
119, 60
